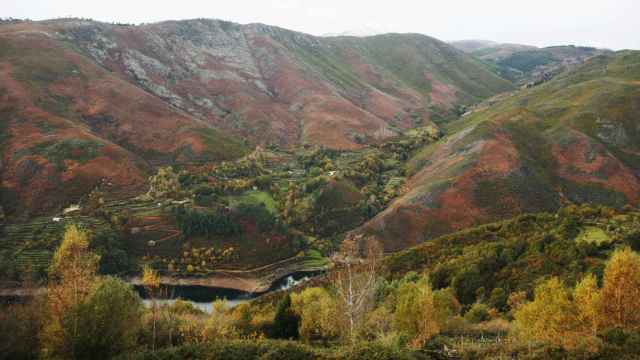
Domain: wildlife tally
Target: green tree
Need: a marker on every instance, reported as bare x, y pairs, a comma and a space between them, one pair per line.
285, 321
317, 312
109, 320
416, 314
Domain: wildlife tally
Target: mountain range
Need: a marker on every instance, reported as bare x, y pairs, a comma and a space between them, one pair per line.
84, 102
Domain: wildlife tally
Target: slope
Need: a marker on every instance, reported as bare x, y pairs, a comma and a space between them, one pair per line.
275, 86
573, 139
69, 125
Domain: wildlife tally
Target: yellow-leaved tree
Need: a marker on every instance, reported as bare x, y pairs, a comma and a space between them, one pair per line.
71, 277
621, 291
416, 314
317, 311
586, 297
151, 283
551, 317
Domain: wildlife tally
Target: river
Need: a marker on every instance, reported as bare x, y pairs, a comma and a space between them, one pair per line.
202, 297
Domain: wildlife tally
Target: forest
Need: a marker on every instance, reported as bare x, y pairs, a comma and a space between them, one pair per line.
480, 297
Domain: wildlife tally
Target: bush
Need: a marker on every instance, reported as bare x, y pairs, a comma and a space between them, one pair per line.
232, 350
109, 320
377, 351
477, 314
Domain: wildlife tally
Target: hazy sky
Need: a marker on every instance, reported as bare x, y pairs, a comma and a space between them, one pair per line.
604, 23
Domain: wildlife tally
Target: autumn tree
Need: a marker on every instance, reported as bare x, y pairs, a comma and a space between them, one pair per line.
587, 299
71, 277
220, 324
551, 317
354, 278
317, 311
165, 184
416, 314
621, 291
151, 283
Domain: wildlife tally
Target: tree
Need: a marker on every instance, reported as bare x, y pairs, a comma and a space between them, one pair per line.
447, 306
165, 184
109, 320
71, 278
586, 296
551, 317
220, 324
415, 313
317, 312
285, 321
354, 278
151, 283
621, 291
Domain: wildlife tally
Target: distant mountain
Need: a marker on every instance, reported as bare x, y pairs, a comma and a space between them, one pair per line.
85, 102
359, 32
573, 139
527, 64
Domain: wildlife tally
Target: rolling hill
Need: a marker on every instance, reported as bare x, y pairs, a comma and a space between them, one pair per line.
572, 139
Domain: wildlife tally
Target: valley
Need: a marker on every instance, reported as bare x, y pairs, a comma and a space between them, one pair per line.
376, 197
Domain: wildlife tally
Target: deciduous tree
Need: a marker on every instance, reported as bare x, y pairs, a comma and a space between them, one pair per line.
71, 278
621, 290
415, 313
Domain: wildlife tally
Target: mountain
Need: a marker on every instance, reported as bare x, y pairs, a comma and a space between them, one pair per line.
358, 32
487, 46
572, 139
85, 102
68, 125
527, 64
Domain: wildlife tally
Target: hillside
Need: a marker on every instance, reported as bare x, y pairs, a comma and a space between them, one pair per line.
79, 93
524, 64
573, 139
272, 85
69, 125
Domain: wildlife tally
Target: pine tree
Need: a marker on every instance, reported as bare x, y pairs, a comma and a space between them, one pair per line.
285, 321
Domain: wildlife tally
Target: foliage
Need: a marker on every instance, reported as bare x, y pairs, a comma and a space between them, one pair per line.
415, 313
165, 184
285, 321
20, 327
72, 276
551, 317
196, 222
317, 311
478, 313
621, 291
220, 324
113, 252
109, 320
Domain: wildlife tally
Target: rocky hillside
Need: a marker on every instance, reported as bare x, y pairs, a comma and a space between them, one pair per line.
272, 85
67, 125
573, 139
84, 102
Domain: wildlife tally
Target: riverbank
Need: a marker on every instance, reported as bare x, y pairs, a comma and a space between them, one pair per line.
257, 280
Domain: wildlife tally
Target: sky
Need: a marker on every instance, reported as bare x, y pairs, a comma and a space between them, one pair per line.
613, 24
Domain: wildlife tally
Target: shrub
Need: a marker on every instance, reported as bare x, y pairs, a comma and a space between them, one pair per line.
109, 320
477, 314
